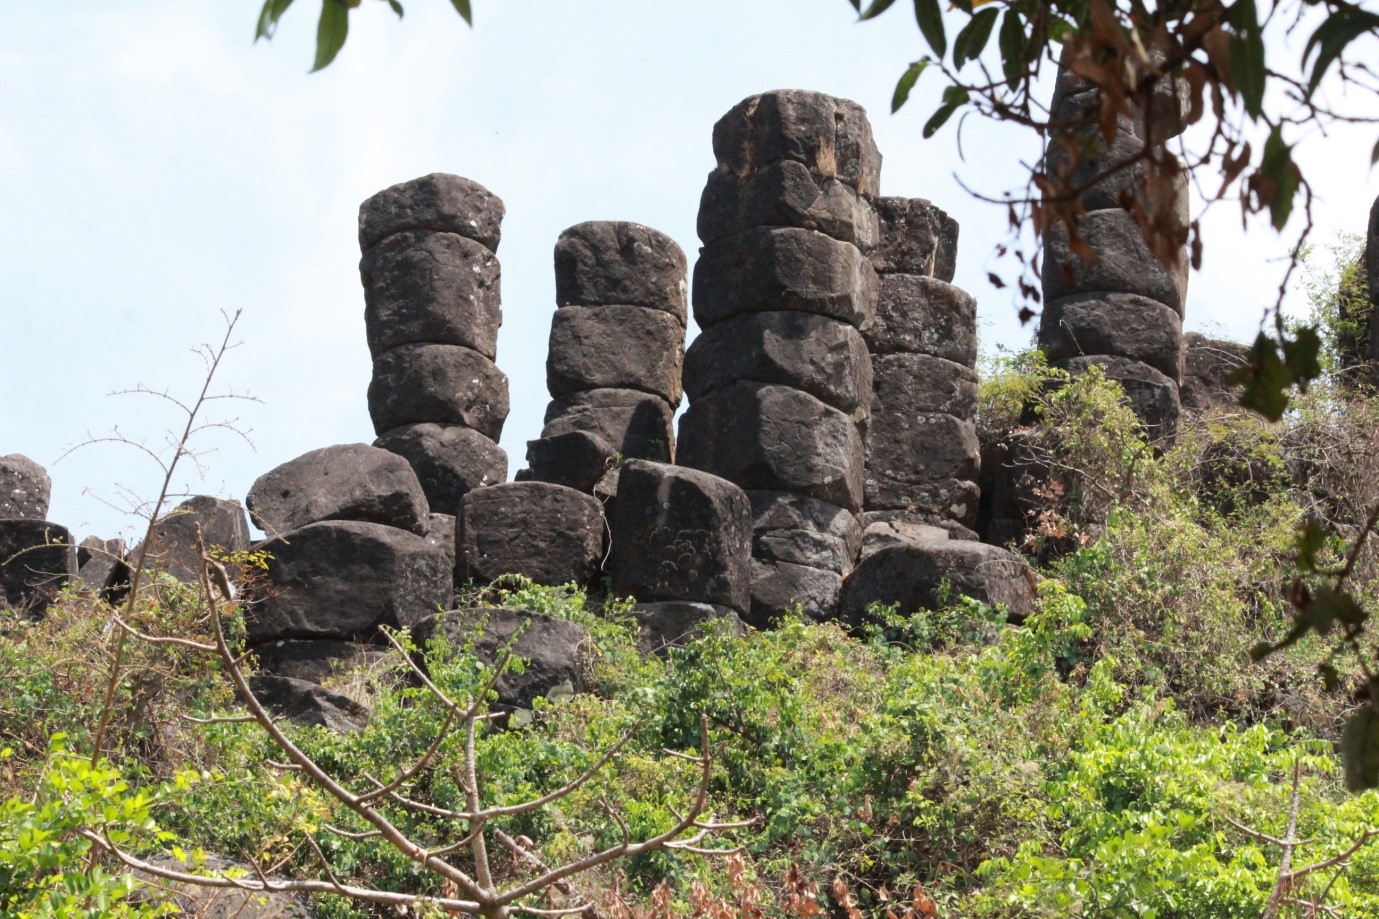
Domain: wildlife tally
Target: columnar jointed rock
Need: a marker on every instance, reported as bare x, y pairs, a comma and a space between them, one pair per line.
549, 533
25, 488
345, 482
617, 343
37, 559
922, 452
780, 381
432, 312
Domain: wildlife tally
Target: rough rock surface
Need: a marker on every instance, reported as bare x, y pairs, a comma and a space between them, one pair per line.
778, 587
1124, 263
37, 559
916, 238
909, 450
911, 383
344, 579
215, 902
824, 357
636, 424
1116, 324
774, 268
673, 623
615, 347
549, 533
344, 482
316, 661
414, 384
680, 534
785, 194
97, 559
884, 533
916, 575
922, 315
173, 545
553, 650
801, 530
781, 439
308, 704
615, 262
439, 202
25, 488
441, 533
1207, 362
421, 286
575, 459
450, 460
1153, 396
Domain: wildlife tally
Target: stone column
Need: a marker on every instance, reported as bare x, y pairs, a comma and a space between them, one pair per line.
1122, 308
922, 451
780, 380
432, 312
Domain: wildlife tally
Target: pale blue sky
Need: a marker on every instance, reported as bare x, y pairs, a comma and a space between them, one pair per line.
157, 167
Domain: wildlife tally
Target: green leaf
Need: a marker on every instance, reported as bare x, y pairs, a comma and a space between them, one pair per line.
1277, 165
467, 14
907, 83
1248, 70
954, 98
930, 19
1265, 379
1360, 749
971, 41
1333, 36
1310, 541
876, 8
331, 32
1302, 355
1013, 43
397, 7
268, 17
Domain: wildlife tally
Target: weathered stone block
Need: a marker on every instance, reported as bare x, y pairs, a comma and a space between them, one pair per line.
615, 347
344, 482
802, 530
37, 560
306, 703
824, 357
1207, 363
919, 315
445, 384
673, 623
915, 238
450, 460
316, 661
440, 202
911, 451
785, 194
1084, 162
1123, 262
779, 587
575, 459
1152, 396
929, 575
606, 262
549, 533
1122, 325
636, 424
172, 548
25, 489
442, 288
912, 383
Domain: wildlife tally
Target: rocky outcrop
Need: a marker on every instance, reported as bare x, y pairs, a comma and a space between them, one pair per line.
345, 482
549, 533
25, 489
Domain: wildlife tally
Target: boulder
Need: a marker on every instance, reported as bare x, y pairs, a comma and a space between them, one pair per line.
615, 347
316, 661
450, 460
172, 548
1153, 396
1207, 363
605, 262
549, 533
1123, 262
915, 238
421, 286
802, 530
680, 534
552, 650
775, 438
674, 623
882, 533
831, 137
25, 489
440, 532
344, 482
1121, 325
783, 268
343, 579
907, 524
308, 704
917, 575
636, 424
919, 315
785, 194
779, 587
908, 451
438, 202
37, 560
575, 459
913, 383
445, 384
97, 559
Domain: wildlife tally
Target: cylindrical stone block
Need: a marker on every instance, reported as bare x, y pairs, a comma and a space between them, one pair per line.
915, 238
1123, 262
801, 530
439, 202
37, 560
1121, 325
450, 460
604, 262
549, 533
615, 347
1152, 395
636, 424
785, 194
445, 384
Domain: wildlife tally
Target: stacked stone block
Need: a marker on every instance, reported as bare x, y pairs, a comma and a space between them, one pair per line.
432, 312
37, 557
1122, 308
922, 450
616, 348
780, 380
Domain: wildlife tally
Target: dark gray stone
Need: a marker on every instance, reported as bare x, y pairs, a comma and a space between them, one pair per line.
1123, 262
917, 523
911, 452
37, 560
1170, 102
553, 650
549, 533
884, 533
444, 384
675, 623
173, 549
1152, 396
802, 530
636, 424
441, 533
344, 579
929, 575
25, 489
440, 202
606, 262
1371, 265
915, 238
824, 357
344, 482
442, 288
775, 438
783, 268
1207, 362
308, 704
919, 315
615, 347
450, 461
831, 137
575, 459
779, 587
96, 559
923, 383
1123, 325
785, 194
316, 661
1115, 175
680, 534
